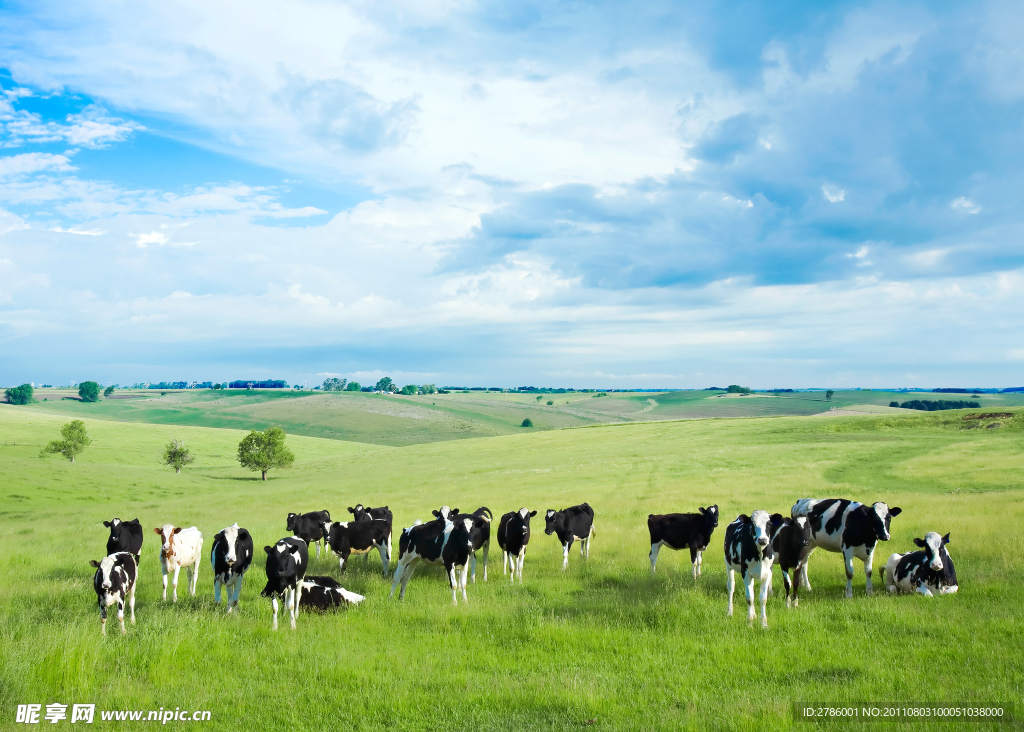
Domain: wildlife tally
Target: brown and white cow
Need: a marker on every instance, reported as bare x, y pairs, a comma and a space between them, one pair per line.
180, 548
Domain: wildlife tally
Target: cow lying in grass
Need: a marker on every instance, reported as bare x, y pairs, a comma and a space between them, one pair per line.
114, 581
325, 593
929, 572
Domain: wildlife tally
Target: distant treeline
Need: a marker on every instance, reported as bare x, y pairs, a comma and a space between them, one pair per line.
271, 384
928, 405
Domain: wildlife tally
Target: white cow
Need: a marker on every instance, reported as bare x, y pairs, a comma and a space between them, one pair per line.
181, 548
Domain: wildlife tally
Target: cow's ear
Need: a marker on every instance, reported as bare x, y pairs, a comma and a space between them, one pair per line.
702, 509
243, 534
267, 549
351, 510
436, 513
945, 539
107, 524
177, 529
158, 530
533, 513
454, 511
94, 563
919, 542
895, 511
743, 518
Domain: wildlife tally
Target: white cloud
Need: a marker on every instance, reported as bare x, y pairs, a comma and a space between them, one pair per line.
27, 163
966, 205
833, 193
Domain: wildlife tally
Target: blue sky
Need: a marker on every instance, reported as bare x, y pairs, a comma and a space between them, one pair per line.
579, 194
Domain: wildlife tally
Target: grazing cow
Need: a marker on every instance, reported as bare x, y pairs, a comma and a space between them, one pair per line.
365, 513
325, 593
929, 572
679, 530
748, 550
847, 527
286, 568
792, 546
114, 581
125, 536
481, 535
230, 558
575, 523
180, 548
310, 528
513, 536
360, 537
445, 541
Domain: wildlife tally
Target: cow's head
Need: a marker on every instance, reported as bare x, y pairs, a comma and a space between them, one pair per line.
801, 531
710, 515
115, 528
763, 526
525, 515
167, 532
291, 522
281, 562
445, 513
356, 510
932, 544
881, 516
551, 521
232, 535
107, 578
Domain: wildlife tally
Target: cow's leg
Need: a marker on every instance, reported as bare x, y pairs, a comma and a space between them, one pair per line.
294, 604
120, 614
342, 559
766, 585
174, 583
131, 601
317, 545
848, 559
655, 548
785, 582
487, 551
748, 586
454, 582
695, 561
730, 586
103, 616
804, 582
522, 556
397, 577
590, 537
273, 603
164, 572
233, 602
193, 577
385, 560
463, 574
504, 561
216, 593
923, 589
868, 561
472, 562
565, 554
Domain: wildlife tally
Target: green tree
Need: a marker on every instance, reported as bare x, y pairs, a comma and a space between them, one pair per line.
737, 389
828, 395
428, 389
550, 402
109, 390
410, 389
89, 391
353, 386
527, 422
177, 455
386, 385
73, 440
19, 394
264, 451
894, 404
334, 384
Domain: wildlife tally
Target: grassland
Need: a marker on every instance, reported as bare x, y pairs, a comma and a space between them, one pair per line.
408, 420
604, 642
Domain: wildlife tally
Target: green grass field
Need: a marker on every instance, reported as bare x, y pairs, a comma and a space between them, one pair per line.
604, 645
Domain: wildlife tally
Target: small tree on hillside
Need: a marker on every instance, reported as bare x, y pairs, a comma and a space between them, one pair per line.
334, 384
89, 391
73, 440
828, 395
264, 451
177, 455
353, 386
19, 394
527, 422
386, 385
894, 404
410, 389
108, 391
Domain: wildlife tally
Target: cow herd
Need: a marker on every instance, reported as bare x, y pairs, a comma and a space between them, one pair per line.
753, 545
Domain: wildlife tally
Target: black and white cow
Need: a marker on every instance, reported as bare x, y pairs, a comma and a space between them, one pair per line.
310, 528
365, 513
346, 538
513, 536
792, 546
930, 572
446, 541
683, 530
846, 527
125, 536
325, 593
230, 558
481, 536
575, 523
286, 568
748, 550
114, 582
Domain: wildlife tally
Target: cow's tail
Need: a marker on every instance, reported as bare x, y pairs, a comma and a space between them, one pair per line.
489, 517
